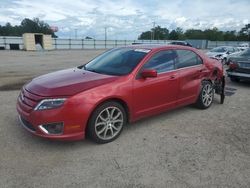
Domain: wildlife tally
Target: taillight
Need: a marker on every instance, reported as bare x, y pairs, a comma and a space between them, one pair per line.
233, 65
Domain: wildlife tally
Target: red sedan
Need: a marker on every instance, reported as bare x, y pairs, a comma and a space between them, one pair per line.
120, 86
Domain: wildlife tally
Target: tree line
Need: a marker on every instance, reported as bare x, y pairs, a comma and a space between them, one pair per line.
159, 33
26, 26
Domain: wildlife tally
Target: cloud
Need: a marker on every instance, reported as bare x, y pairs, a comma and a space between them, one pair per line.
126, 19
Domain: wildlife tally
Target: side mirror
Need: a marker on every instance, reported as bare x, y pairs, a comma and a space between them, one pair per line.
228, 52
149, 73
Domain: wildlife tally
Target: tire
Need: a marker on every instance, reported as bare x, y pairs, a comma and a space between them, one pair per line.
206, 95
234, 79
106, 122
224, 61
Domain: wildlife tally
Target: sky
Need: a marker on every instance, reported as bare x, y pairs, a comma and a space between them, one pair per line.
126, 19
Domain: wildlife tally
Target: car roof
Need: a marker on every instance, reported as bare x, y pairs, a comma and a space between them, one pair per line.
225, 47
158, 46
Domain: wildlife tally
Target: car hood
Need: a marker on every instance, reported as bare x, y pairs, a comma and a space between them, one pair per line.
213, 54
67, 82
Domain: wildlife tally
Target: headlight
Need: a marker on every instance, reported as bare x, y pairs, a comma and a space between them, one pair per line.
50, 104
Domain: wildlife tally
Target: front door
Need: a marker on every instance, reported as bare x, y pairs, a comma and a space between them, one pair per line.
153, 95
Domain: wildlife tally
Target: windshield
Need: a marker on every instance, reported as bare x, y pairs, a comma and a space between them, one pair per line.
119, 61
218, 49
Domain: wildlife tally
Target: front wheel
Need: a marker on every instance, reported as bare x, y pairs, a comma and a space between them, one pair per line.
206, 95
106, 123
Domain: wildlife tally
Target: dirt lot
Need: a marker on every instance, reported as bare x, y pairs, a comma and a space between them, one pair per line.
186, 147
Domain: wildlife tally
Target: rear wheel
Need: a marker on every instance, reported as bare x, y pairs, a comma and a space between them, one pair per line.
106, 123
206, 96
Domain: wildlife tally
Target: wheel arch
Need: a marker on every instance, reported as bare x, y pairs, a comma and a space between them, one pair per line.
206, 80
112, 99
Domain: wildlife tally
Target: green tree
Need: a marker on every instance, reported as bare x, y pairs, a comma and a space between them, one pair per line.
27, 26
180, 33
230, 36
160, 33
195, 34
213, 34
156, 33
173, 35
145, 35
244, 33
177, 34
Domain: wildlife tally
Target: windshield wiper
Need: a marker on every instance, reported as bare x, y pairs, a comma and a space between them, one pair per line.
92, 70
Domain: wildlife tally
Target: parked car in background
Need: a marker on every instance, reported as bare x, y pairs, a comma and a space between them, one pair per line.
120, 86
182, 43
243, 46
239, 67
223, 52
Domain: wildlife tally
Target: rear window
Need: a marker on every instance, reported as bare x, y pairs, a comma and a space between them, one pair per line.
187, 58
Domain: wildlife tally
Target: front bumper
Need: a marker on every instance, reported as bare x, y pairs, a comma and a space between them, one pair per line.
238, 74
37, 132
73, 117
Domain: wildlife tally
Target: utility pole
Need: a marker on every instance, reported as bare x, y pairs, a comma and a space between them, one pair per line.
105, 37
153, 32
105, 33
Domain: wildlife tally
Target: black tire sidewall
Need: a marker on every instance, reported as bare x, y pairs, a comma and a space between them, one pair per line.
199, 102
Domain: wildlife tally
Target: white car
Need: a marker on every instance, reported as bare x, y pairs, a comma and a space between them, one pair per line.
223, 52
243, 46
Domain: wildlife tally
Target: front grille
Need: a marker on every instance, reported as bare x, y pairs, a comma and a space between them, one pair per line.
27, 124
28, 101
244, 65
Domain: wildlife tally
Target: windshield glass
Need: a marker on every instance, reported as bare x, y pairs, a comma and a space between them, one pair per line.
119, 61
246, 52
218, 49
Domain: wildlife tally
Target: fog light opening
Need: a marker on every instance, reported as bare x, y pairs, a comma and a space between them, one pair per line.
52, 128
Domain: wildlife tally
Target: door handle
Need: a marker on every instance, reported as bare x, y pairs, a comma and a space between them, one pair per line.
172, 77
202, 70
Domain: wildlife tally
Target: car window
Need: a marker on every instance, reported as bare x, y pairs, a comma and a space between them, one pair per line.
236, 49
187, 58
246, 52
162, 61
218, 49
231, 50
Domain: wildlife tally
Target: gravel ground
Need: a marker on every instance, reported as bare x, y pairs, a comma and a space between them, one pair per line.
186, 147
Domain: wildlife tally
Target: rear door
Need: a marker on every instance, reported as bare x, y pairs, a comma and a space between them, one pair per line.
191, 69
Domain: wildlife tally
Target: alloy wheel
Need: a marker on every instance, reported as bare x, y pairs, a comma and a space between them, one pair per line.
109, 123
207, 94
